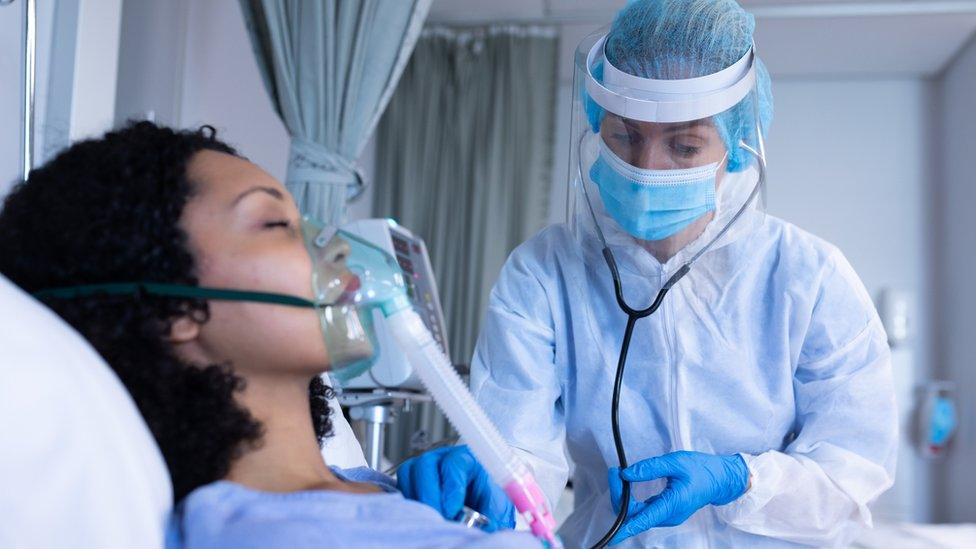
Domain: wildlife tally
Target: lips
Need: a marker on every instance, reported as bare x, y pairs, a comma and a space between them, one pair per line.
351, 290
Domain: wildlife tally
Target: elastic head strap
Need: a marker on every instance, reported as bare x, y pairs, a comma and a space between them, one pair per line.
171, 290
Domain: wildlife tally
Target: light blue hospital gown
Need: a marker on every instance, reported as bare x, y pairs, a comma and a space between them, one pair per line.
226, 514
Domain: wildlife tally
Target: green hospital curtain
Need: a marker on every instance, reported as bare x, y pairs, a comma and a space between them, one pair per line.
330, 68
464, 155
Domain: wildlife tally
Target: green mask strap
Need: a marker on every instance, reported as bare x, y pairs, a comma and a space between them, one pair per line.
172, 290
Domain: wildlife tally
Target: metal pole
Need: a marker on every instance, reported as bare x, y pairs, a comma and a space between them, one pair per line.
30, 50
374, 443
377, 416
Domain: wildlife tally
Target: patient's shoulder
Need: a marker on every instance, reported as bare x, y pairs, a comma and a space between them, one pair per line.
225, 514
365, 474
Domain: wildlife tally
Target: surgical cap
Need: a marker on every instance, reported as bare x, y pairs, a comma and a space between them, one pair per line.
676, 39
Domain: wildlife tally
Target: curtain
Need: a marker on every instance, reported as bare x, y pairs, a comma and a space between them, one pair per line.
330, 68
464, 156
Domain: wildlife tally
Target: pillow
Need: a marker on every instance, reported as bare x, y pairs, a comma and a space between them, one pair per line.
78, 467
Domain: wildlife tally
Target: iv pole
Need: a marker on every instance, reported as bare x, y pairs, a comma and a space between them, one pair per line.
30, 50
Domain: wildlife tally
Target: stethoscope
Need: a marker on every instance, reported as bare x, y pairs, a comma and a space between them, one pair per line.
634, 314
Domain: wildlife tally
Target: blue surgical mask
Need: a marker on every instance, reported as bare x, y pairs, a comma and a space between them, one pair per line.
653, 204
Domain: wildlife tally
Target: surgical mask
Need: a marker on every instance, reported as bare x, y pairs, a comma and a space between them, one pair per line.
350, 279
653, 204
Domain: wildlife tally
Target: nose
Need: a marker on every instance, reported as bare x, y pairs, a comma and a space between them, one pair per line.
652, 155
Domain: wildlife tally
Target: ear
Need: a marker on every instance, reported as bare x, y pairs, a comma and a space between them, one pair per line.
183, 330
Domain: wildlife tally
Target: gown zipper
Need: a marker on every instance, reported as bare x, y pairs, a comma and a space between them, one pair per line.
672, 374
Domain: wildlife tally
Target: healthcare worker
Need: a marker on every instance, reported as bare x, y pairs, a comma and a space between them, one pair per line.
756, 406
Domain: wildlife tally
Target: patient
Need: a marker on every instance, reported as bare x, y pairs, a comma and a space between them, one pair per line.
230, 390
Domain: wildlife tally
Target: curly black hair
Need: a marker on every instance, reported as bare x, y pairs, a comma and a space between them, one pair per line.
108, 210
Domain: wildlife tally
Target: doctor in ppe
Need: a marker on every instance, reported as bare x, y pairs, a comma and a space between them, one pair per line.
732, 364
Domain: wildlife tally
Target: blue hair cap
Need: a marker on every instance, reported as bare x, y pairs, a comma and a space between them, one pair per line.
677, 39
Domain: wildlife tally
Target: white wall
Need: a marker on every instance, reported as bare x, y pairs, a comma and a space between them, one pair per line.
956, 254
11, 95
77, 45
221, 86
96, 59
849, 162
191, 63
151, 61
186, 63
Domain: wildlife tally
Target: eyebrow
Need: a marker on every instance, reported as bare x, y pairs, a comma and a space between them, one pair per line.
671, 127
685, 125
269, 190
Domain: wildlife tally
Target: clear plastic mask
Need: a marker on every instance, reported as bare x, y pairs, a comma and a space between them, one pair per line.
351, 278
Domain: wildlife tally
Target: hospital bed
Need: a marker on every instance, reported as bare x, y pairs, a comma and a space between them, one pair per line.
78, 466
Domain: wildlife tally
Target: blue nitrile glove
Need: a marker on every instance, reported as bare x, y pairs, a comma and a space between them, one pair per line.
694, 481
449, 478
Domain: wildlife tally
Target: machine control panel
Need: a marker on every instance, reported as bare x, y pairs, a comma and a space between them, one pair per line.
391, 370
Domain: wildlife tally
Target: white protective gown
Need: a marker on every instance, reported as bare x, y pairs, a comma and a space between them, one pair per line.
770, 347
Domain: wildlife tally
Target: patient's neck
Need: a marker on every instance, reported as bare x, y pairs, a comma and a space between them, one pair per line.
287, 458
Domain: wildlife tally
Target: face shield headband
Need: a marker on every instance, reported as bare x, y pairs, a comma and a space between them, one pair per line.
667, 101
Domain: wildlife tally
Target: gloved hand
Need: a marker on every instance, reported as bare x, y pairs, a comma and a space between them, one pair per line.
448, 479
694, 481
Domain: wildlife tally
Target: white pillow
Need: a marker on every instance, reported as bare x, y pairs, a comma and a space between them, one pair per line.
342, 449
78, 466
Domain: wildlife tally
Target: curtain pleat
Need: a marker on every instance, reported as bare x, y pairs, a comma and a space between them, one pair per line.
464, 156
330, 68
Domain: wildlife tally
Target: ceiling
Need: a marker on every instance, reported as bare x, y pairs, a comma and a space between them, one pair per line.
795, 38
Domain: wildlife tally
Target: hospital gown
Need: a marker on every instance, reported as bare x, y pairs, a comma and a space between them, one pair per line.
226, 514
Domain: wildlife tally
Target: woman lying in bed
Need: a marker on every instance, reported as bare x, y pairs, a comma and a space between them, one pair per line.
229, 389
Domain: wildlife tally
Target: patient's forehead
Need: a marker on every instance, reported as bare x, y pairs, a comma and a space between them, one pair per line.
218, 175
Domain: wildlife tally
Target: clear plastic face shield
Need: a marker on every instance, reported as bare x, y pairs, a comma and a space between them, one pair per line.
671, 162
671, 165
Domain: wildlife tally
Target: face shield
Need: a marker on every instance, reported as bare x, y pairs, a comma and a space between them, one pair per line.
673, 162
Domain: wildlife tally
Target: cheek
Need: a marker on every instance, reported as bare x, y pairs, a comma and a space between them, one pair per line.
258, 334
284, 270
263, 336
